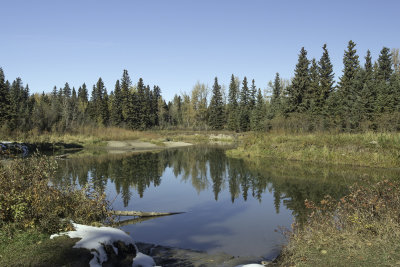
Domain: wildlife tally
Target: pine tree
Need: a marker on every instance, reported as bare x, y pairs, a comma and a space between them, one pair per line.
233, 106
244, 119
4, 99
326, 78
216, 109
300, 83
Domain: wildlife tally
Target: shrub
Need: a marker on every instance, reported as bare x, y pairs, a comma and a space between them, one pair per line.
29, 200
362, 228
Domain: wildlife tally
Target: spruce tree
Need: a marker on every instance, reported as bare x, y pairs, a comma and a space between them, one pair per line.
233, 107
4, 99
276, 95
244, 115
385, 94
385, 65
126, 96
300, 83
313, 93
326, 78
258, 114
116, 111
347, 89
216, 109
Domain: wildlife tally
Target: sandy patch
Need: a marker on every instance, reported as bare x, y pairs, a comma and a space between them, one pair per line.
137, 145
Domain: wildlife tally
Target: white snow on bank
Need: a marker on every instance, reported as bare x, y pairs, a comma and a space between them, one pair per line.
95, 238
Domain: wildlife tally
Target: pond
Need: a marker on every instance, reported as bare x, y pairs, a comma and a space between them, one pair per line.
229, 205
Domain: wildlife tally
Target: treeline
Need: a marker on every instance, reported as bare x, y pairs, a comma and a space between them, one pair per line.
366, 97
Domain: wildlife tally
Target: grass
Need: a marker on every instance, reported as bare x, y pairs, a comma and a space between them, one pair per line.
33, 248
362, 229
363, 149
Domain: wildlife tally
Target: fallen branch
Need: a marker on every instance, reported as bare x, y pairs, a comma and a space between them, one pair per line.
142, 213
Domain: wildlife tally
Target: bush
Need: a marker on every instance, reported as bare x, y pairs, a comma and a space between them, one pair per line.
362, 228
29, 200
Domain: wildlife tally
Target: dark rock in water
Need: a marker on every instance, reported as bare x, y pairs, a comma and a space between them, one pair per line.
125, 255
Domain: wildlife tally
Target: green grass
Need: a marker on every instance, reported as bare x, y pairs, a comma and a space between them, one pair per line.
364, 149
32, 248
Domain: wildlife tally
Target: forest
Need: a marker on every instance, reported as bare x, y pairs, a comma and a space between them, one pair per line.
366, 97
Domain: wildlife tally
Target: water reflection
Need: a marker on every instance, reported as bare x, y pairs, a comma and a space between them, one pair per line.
207, 168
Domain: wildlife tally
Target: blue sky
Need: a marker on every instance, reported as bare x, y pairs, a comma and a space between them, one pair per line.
175, 43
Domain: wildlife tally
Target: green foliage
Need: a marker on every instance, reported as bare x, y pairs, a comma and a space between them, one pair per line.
28, 200
233, 107
300, 84
216, 118
244, 107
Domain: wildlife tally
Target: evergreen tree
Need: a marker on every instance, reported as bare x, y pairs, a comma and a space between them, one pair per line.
252, 95
126, 97
313, 93
4, 99
244, 119
347, 93
326, 78
216, 109
276, 95
258, 114
300, 83
385, 65
116, 111
233, 106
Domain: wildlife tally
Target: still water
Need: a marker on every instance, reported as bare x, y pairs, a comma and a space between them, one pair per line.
230, 205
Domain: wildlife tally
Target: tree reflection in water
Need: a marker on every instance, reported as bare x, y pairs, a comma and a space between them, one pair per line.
207, 167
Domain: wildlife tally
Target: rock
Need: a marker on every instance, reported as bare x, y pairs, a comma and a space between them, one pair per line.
125, 255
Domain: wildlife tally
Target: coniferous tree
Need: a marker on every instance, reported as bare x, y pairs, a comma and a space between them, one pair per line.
4, 99
347, 93
244, 119
276, 95
116, 110
252, 95
326, 78
126, 97
155, 110
258, 114
216, 117
300, 83
233, 107
313, 93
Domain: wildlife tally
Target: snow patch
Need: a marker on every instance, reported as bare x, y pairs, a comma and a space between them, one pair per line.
95, 238
142, 260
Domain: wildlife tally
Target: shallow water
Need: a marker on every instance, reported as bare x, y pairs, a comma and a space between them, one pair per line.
230, 206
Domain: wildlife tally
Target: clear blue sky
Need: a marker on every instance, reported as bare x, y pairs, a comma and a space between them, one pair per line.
175, 43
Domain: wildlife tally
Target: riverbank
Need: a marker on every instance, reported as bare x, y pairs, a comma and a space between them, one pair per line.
363, 149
